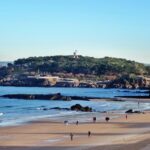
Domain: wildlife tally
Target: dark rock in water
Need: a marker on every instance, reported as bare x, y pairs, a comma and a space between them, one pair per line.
80, 98
45, 108
129, 111
8, 106
68, 98
56, 96
137, 111
78, 107
58, 108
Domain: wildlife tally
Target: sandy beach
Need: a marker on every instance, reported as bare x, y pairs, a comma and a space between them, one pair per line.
120, 133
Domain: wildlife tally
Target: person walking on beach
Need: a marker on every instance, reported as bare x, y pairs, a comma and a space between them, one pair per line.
71, 136
126, 117
66, 122
77, 122
107, 119
89, 133
138, 104
94, 119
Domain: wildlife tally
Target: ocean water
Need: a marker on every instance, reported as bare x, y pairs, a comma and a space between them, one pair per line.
13, 111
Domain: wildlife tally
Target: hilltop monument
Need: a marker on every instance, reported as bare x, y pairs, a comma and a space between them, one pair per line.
75, 55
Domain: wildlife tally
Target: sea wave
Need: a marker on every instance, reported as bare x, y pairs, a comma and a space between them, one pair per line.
1, 114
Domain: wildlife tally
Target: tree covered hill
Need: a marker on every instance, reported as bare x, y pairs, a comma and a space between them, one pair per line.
82, 64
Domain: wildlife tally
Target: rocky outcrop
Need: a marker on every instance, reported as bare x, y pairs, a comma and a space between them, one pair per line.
131, 111
78, 107
129, 82
56, 96
124, 82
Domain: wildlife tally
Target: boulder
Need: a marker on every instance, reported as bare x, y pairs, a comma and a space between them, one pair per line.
137, 111
129, 111
78, 107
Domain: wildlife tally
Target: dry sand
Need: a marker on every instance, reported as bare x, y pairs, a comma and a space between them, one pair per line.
118, 134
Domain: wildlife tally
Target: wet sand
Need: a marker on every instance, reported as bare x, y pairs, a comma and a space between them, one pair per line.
132, 133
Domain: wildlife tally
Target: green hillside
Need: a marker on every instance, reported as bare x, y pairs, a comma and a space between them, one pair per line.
83, 65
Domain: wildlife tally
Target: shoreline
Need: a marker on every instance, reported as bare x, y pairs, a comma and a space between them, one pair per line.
46, 134
82, 117
145, 90
79, 114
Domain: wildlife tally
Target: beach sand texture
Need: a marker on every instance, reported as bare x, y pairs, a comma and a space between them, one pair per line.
118, 134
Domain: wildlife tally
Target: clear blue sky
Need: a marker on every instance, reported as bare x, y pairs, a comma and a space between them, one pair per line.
117, 28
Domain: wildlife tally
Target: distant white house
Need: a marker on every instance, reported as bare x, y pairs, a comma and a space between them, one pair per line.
52, 79
67, 82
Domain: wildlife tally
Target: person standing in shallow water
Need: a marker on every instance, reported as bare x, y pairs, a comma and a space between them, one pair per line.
94, 119
71, 136
77, 122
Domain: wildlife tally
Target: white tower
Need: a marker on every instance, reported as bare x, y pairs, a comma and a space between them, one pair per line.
75, 54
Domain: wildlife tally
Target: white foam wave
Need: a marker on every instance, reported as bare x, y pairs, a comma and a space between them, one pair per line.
1, 114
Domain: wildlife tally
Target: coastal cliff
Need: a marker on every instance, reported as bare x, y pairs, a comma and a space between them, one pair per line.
66, 71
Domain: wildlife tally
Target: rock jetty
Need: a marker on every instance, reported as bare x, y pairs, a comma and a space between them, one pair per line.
57, 96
